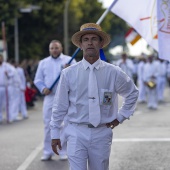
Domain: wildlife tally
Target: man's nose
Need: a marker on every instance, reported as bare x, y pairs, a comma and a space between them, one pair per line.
90, 42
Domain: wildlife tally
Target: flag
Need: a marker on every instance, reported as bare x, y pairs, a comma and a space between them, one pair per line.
132, 36
151, 19
163, 18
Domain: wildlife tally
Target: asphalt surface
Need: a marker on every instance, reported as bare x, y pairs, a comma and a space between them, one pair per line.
141, 143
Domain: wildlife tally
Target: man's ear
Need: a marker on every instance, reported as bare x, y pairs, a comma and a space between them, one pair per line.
102, 43
80, 46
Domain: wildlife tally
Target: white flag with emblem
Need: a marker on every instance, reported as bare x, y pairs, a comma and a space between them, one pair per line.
151, 19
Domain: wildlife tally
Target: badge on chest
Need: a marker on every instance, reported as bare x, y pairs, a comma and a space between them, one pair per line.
107, 98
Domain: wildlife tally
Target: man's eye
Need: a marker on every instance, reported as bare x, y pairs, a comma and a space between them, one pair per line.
94, 39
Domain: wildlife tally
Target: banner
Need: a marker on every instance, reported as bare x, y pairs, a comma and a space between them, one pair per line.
132, 36
163, 14
151, 19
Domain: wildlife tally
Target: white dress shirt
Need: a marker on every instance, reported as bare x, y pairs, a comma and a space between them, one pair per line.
48, 71
71, 97
22, 78
5, 67
127, 66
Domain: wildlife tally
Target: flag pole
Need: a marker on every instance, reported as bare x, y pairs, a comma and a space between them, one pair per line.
78, 49
4, 41
106, 12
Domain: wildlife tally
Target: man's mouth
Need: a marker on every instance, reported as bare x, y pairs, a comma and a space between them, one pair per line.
90, 48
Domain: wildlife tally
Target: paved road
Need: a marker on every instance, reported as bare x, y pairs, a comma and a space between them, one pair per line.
141, 143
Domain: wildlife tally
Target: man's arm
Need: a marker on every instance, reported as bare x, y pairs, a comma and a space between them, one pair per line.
59, 110
39, 79
126, 88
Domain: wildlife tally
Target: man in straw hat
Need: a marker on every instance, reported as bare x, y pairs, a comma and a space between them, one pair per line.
90, 82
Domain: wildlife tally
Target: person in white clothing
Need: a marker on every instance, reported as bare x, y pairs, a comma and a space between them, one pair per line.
22, 87
150, 72
6, 90
141, 84
48, 71
126, 65
161, 79
168, 73
89, 139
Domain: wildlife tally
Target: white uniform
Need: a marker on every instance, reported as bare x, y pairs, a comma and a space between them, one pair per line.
15, 94
127, 67
161, 80
150, 71
22, 103
71, 99
6, 90
141, 85
168, 73
48, 70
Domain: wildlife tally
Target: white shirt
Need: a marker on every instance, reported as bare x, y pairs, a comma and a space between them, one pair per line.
48, 71
127, 66
22, 78
162, 69
71, 97
150, 70
6, 67
140, 70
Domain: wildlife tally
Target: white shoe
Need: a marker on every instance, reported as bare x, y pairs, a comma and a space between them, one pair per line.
46, 157
63, 157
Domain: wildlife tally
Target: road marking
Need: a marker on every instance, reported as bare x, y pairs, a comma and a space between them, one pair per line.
142, 140
31, 157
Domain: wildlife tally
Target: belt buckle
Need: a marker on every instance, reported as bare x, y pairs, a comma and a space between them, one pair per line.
90, 126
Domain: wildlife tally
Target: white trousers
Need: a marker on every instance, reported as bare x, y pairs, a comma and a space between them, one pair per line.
16, 101
2, 101
22, 104
152, 98
88, 147
142, 91
47, 112
161, 83
11, 103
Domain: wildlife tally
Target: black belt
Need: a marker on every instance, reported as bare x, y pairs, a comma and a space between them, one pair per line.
88, 125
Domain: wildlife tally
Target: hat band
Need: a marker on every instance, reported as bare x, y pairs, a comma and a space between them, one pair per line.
90, 28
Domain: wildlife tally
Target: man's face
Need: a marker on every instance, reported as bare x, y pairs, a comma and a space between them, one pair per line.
55, 49
91, 44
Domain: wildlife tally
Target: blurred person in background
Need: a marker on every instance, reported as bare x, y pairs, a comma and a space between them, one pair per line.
7, 97
161, 79
48, 70
150, 72
141, 84
126, 65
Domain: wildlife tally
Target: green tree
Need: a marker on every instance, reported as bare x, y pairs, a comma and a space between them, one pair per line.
38, 28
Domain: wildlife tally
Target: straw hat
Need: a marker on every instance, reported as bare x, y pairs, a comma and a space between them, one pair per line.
90, 28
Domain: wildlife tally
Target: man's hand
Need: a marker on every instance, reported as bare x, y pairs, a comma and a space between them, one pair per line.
67, 65
55, 143
113, 124
46, 91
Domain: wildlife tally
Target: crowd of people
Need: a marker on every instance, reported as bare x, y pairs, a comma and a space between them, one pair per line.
150, 74
16, 91
67, 104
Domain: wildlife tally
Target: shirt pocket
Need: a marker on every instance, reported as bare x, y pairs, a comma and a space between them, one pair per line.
106, 98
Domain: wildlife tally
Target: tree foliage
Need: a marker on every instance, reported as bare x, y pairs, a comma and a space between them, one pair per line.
38, 28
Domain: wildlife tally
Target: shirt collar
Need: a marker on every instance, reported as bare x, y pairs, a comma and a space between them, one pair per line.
86, 64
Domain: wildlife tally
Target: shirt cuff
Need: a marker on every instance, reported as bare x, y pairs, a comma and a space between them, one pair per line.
55, 134
120, 118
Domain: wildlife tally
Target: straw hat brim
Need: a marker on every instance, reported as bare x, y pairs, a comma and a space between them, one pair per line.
77, 36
